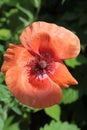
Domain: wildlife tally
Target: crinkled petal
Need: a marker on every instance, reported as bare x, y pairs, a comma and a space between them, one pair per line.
29, 93
15, 55
62, 76
44, 36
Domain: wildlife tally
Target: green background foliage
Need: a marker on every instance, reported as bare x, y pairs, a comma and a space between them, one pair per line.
71, 113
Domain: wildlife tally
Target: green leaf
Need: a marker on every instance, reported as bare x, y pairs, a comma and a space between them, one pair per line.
76, 61
7, 98
1, 123
2, 2
37, 3
60, 126
28, 13
9, 126
1, 77
53, 112
8, 2
11, 12
3, 112
16, 109
69, 95
72, 62
4, 94
5, 34
2, 49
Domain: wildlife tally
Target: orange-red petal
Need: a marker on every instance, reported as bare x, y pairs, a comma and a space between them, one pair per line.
62, 76
15, 55
49, 93
41, 35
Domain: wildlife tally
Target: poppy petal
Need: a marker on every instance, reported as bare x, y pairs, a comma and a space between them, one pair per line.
66, 43
49, 93
41, 35
62, 76
15, 55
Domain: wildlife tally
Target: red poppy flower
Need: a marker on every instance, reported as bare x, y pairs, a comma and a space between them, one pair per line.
34, 70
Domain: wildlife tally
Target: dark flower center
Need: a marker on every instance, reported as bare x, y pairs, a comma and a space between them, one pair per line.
41, 65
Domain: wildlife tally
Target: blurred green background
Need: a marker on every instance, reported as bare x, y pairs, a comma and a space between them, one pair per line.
71, 113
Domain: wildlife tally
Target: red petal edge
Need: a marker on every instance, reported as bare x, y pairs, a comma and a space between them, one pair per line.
62, 76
